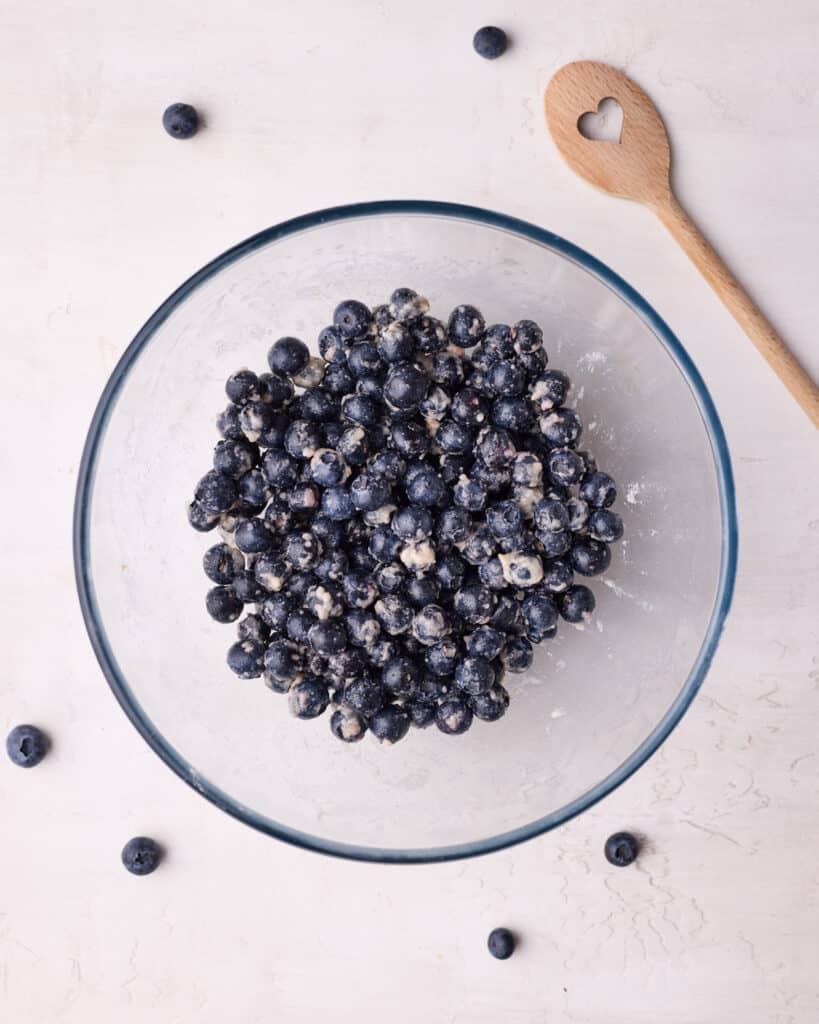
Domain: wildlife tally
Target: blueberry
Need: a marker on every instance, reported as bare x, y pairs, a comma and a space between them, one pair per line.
485, 642
337, 504
227, 423
288, 355
527, 470
468, 494
390, 577
333, 567
324, 601
384, 544
308, 699
496, 449
452, 467
469, 408
549, 390
275, 389
247, 588
517, 654
498, 343
605, 525
353, 319
395, 343
245, 659
447, 369
491, 705
491, 574
388, 466
466, 326
450, 570
506, 378
474, 604
480, 546
279, 469
361, 409
141, 855
506, 617
429, 335
474, 675
454, 525
222, 562
560, 427
364, 360
540, 614
576, 604
527, 336
430, 625
554, 544
359, 589
365, 695
328, 637
454, 437
369, 493
354, 446
427, 489
303, 439
363, 628
252, 536
223, 604
255, 419
434, 406
401, 675
298, 625
565, 467
338, 380
405, 304
442, 658
421, 591
557, 576
390, 724
253, 627
215, 492
501, 943
235, 456
590, 557
551, 516
394, 613
504, 518
300, 585
26, 745
421, 712
318, 406
410, 437
511, 414
275, 610
621, 849
347, 725
302, 550
283, 661
412, 523
254, 492
494, 480
454, 716
406, 386
598, 490
343, 668
242, 386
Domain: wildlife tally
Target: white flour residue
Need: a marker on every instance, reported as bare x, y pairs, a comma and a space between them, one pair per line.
558, 713
633, 492
590, 360
647, 606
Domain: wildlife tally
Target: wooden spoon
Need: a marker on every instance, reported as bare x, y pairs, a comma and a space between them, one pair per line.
638, 167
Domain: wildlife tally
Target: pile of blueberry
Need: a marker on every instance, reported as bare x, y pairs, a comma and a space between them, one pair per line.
406, 516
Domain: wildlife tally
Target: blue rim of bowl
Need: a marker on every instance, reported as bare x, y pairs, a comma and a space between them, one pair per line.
659, 734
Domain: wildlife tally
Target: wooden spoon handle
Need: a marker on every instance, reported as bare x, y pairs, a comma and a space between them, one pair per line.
747, 315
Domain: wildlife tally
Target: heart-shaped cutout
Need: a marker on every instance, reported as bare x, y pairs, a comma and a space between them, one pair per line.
603, 125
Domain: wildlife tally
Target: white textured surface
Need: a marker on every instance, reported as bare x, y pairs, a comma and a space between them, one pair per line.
321, 103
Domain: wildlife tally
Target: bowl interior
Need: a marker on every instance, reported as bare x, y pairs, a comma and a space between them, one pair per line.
596, 701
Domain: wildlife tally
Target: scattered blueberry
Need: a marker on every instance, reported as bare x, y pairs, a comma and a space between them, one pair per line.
621, 849
26, 745
141, 855
180, 121
501, 943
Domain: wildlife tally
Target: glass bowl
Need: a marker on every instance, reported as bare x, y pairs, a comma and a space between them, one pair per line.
595, 704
